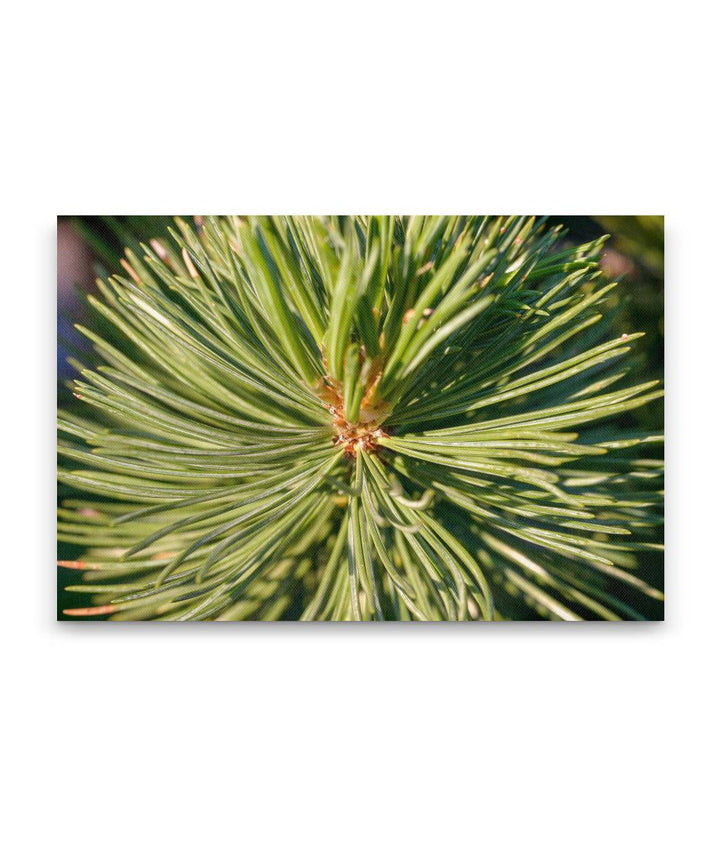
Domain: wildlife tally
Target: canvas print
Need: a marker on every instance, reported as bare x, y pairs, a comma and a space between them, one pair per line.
360, 418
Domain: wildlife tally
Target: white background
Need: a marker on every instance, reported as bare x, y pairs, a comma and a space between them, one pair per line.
354, 740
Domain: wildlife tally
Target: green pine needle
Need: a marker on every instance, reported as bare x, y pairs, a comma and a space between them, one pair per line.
360, 418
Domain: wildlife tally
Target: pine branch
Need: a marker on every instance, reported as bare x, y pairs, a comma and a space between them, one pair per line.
360, 418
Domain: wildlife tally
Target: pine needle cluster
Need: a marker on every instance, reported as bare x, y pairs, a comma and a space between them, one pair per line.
360, 418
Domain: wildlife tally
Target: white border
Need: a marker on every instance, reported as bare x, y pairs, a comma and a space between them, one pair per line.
505, 739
